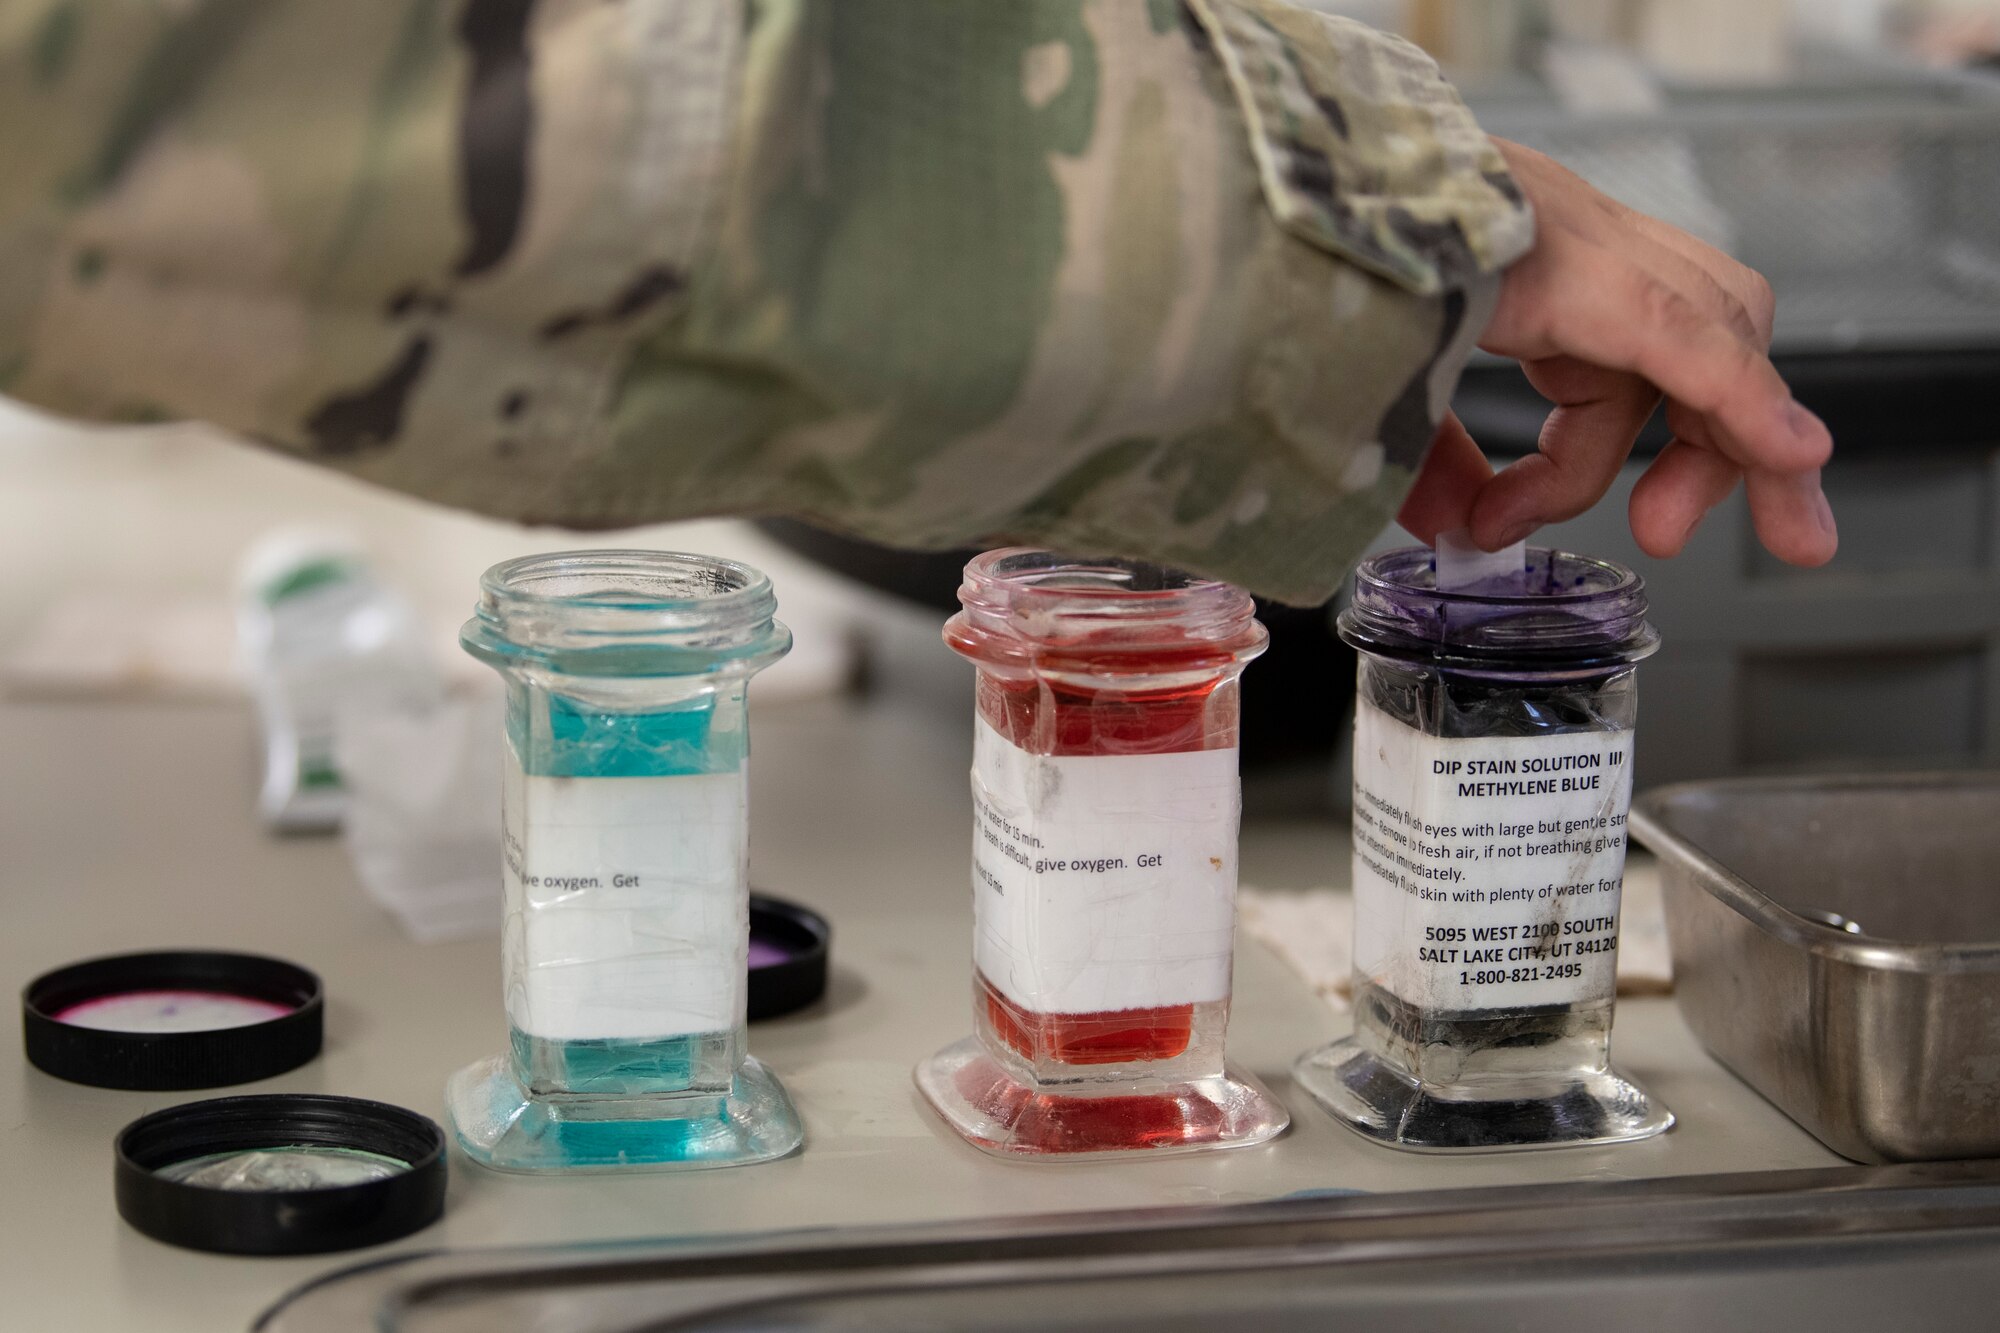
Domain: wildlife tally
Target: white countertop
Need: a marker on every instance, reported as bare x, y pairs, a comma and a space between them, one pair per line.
127, 826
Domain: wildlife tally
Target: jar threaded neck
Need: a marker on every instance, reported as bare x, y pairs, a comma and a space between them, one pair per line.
1040, 599
558, 607
1567, 612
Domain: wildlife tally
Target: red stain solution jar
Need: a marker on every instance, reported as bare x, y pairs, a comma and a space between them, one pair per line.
1105, 811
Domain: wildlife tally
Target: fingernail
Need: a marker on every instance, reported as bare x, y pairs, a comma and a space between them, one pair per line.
1804, 425
1515, 532
1688, 535
1824, 512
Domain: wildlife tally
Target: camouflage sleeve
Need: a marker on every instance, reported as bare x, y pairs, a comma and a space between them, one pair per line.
1184, 281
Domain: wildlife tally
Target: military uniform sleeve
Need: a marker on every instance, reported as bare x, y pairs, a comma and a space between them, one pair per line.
1183, 281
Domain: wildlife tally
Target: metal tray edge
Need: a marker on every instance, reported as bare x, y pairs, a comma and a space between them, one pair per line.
1648, 822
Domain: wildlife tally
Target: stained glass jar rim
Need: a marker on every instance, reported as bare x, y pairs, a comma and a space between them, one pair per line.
1043, 598
1571, 612
706, 610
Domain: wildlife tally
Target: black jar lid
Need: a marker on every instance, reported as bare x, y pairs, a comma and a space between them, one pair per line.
287, 1173
110, 1022
789, 945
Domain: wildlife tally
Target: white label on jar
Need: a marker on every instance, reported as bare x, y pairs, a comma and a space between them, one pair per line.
1103, 882
626, 912
1487, 871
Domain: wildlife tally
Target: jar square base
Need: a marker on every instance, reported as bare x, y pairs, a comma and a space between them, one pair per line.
1383, 1103
499, 1125
996, 1112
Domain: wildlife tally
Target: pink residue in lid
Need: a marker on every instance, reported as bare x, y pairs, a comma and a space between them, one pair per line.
763, 953
170, 1011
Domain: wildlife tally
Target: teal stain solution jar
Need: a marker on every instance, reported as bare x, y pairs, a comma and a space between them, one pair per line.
624, 805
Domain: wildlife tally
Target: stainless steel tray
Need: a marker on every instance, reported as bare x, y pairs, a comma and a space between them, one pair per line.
1903, 1247
1836, 944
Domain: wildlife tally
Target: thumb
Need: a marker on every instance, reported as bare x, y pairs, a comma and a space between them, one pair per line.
1449, 480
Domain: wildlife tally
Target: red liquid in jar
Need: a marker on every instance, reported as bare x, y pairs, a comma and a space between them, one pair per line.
1114, 1036
1039, 1122
1049, 717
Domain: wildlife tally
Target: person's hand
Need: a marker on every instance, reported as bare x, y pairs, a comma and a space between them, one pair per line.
1609, 311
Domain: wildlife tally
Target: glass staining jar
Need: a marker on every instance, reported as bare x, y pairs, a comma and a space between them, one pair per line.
1105, 809
1493, 744
624, 802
